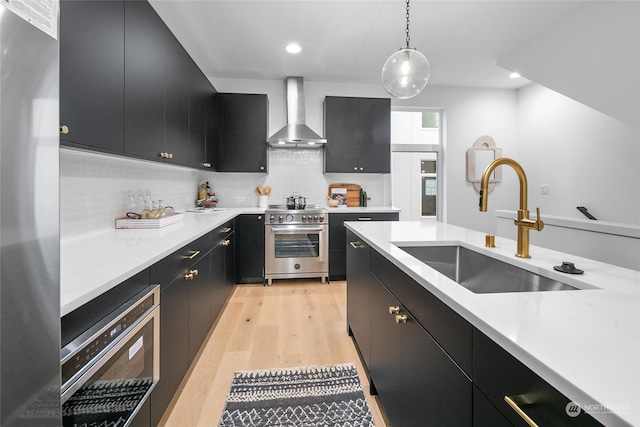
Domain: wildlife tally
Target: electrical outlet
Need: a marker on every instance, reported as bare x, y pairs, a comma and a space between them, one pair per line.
544, 189
239, 198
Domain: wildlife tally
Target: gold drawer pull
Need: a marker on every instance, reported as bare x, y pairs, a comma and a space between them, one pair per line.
356, 245
401, 318
364, 218
226, 242
394, 309
206, 165
194, 272
166, 155
192, 256
188, 276
64, 129
520, 412
225, 230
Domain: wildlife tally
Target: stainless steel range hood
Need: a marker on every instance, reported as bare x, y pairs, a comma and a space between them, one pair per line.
296, 133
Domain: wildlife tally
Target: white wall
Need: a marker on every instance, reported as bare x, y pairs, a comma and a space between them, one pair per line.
592, 56
586, 158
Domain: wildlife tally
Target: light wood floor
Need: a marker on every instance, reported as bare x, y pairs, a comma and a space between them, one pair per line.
292, 323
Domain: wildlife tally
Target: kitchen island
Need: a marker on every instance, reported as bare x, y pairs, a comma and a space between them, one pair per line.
585, 343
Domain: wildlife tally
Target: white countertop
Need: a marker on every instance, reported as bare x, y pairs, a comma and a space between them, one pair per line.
93, 264
585, 343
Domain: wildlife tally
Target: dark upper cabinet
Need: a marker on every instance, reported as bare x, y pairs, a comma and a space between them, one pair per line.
92, 74
242, 143
201, 91
177, 92
144, 80
358, 132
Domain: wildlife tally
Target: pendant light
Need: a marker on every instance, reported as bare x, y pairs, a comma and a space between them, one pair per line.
406, 72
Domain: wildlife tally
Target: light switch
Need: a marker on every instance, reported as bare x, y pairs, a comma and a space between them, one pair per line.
544, 189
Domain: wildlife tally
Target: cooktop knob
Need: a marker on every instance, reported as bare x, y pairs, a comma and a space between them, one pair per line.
315, 218
280, 218
304, 218
272, 218
289, 218
321, 218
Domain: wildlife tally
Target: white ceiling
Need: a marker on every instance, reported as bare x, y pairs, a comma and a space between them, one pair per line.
348, 41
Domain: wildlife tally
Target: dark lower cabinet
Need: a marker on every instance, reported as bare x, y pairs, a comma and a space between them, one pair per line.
199, 281
174, 345
337, 238
358, 295
250, 248
143, 417
497, 374
415, 378
222, 268
485, 414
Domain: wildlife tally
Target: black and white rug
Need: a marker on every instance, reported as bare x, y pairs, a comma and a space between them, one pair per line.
302, 397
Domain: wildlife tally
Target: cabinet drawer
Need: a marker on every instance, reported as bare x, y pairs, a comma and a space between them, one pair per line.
220, 234
174, 265
338, 219
446, 326
498, 374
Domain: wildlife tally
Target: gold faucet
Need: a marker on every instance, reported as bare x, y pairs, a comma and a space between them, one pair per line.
523, 222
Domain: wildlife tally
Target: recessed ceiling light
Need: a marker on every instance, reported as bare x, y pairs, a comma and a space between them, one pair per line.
293, 48
514, 75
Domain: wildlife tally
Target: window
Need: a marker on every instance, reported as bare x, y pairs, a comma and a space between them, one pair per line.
417, 167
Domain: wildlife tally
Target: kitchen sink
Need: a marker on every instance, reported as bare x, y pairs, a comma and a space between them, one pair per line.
480, 273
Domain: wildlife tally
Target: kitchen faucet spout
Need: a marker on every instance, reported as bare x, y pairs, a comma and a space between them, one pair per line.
523, 222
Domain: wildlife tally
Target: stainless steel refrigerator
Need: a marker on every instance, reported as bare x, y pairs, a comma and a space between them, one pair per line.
29, 223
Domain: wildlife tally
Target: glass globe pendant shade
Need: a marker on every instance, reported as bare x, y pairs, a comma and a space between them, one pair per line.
405, 73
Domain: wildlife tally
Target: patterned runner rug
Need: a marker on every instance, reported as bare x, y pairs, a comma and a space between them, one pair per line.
302, 397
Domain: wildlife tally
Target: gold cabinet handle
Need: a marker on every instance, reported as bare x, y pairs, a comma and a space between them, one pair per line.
188, 276
261, 168
64, 129
194, 272
364, 218
226, 242
520, 412
356, 245
225, 230
259, 217
206, 165
192, 256
394, 309
166, 155
401, 318
355, 168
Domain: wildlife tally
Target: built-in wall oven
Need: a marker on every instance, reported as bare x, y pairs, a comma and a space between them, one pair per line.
108, 372
296, 243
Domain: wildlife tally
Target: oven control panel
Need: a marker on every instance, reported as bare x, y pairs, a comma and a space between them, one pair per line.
297, 218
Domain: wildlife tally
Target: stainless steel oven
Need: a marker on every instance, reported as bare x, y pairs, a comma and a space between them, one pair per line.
296, 243
108, 372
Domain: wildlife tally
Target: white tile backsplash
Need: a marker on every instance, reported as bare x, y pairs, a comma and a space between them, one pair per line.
94, 187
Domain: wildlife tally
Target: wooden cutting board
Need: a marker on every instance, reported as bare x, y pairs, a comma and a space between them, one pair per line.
353, 193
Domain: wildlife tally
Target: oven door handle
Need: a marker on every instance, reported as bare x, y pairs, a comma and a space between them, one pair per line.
294, 230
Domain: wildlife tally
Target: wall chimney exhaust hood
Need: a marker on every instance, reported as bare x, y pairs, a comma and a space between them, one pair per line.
296, 134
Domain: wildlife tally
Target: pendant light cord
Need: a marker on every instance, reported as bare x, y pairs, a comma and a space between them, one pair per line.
407, 30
